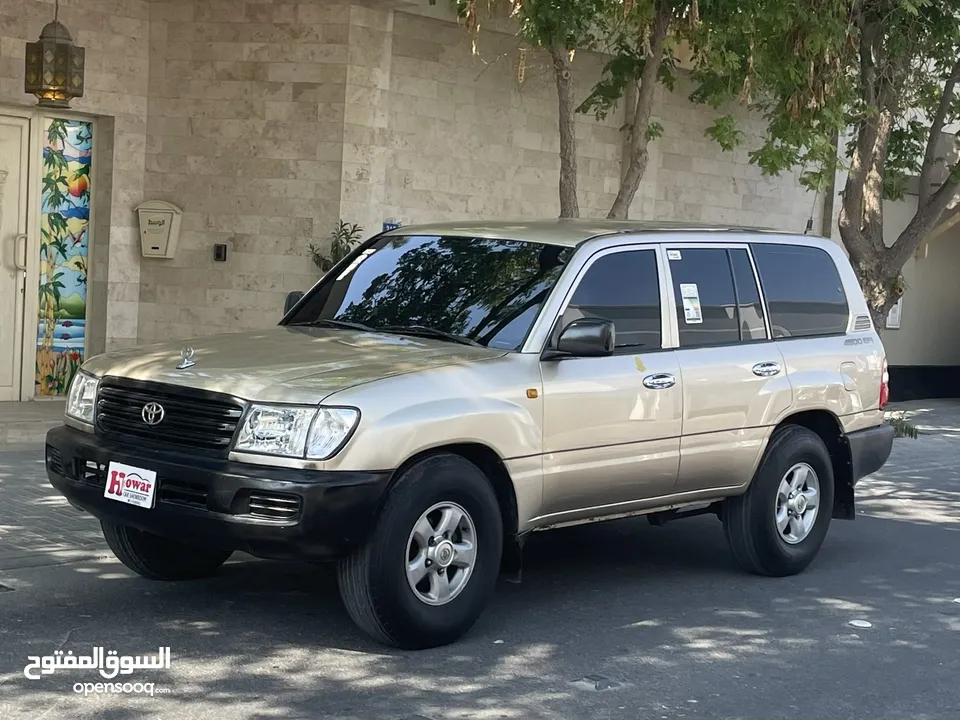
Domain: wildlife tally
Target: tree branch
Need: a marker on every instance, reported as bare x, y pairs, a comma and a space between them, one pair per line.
641, 116
923, 222
936, 132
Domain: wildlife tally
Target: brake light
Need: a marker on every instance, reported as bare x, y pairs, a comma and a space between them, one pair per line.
884, 386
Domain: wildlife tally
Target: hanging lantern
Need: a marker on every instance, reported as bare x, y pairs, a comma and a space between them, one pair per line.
54, 66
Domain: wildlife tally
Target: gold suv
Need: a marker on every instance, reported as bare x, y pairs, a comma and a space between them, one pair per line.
446, 390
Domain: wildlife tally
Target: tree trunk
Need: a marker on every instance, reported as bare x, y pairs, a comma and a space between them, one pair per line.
639, 140
569, 206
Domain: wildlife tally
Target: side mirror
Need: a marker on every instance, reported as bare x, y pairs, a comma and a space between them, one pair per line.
292, 299
586, 337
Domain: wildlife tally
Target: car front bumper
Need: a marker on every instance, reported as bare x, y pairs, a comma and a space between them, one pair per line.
268, 512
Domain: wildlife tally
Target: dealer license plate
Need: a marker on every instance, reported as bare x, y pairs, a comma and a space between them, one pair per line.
131, 485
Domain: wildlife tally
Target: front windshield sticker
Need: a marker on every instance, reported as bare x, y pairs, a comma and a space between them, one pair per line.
690, 295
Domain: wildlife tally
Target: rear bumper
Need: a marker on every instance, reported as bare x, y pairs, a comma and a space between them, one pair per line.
869, 450
207, 502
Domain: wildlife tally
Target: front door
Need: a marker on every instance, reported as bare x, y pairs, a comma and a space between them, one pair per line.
14, 146
611, 425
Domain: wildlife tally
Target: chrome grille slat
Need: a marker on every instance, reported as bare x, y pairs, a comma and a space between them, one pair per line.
273, 507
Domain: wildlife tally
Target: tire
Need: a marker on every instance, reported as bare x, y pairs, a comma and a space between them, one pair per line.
159, 558
750, 521
374, 581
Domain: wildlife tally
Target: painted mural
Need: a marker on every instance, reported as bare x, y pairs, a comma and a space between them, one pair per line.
64, 244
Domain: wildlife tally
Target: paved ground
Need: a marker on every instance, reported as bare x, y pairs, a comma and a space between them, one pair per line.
658, 618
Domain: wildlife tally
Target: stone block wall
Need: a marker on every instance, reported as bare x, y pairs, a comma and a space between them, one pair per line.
268, 120
116, 36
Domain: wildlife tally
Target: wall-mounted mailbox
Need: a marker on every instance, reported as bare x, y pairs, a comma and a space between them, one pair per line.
159, 228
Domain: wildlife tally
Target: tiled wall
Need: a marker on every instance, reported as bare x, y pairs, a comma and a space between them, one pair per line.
245, 135
114, 33
266, 121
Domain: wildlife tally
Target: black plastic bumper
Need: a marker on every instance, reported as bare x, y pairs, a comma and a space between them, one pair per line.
266, 511
869, 450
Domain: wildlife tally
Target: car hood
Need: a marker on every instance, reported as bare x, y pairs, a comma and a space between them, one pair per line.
285, 364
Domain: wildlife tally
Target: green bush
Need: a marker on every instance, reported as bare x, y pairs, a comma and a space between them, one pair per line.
342, 240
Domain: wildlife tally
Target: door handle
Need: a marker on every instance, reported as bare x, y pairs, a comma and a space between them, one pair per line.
661, 381
766, 369
20, 241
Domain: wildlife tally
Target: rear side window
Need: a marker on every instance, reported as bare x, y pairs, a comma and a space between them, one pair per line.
803, 290
623, 287
705, 295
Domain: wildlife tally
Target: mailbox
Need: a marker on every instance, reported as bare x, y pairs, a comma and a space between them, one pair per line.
159, 228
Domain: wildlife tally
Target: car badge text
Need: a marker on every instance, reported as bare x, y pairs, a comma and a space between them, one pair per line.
186, 359
152, 413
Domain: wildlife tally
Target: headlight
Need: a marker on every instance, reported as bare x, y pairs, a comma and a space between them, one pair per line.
82, 398
296, 431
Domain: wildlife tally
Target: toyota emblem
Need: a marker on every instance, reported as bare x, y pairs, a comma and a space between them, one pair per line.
152, 413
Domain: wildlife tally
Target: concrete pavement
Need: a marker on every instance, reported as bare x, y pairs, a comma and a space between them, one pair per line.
616, 620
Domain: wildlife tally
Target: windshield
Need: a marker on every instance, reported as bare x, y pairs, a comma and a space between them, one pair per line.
486, 291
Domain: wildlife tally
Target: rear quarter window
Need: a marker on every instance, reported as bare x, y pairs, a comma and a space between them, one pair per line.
803, 290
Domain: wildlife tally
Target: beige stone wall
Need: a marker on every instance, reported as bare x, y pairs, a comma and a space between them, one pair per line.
245, 135
115, 34
266, 121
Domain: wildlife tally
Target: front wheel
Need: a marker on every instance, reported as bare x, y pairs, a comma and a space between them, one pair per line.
428, 568
159, 558
777, 527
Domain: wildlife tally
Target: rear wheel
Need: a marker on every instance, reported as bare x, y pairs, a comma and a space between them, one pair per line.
429, 567
777, 527
160, 558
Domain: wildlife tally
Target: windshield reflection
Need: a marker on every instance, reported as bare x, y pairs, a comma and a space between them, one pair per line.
485, 290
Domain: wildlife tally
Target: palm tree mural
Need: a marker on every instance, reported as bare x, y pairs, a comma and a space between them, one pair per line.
64, 235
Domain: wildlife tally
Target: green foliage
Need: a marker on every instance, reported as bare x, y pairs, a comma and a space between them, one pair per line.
624, 69
724, 132
799, 63
342, 240
902, 428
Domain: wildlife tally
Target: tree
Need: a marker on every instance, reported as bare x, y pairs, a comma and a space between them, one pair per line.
881, 72
560, 27
642, 46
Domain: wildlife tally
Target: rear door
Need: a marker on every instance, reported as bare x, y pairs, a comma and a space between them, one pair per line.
735, 385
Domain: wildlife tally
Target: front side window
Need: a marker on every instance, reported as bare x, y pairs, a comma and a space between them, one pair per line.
476, 290
623, 287
803, 290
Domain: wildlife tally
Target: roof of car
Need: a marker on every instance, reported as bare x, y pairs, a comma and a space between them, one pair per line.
569, 233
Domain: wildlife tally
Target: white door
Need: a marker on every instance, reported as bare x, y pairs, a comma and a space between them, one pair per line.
14, 144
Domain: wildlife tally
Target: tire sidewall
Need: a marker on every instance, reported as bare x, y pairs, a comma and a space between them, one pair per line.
800, 446
439, 479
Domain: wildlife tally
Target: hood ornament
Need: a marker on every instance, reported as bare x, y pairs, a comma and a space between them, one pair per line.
186, 359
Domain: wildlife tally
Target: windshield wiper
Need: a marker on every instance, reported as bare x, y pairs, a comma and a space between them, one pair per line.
424, 331
342, 324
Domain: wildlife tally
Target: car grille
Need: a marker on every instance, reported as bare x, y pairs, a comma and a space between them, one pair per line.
54, 461
193, 420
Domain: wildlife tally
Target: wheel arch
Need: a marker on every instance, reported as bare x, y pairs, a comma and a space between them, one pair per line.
828, 427
491, 465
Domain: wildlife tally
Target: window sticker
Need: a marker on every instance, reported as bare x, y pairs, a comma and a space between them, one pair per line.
673, 255
690, 295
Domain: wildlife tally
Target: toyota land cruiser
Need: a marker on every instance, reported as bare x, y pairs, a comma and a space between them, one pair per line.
446, 390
